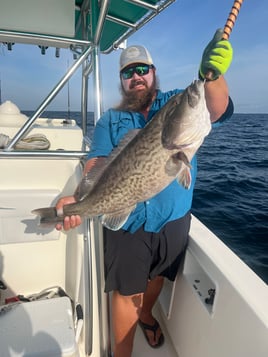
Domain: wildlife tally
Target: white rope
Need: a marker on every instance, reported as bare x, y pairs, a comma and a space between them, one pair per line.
4, 140
31, 142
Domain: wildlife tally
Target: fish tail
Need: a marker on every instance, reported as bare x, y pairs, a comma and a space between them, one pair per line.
48, 216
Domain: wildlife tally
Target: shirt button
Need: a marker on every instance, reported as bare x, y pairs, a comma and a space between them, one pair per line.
147, 202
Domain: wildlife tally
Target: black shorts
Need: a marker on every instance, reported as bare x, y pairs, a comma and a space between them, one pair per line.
131, 259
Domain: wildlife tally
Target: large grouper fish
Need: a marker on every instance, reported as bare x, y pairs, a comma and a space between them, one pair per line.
145, 162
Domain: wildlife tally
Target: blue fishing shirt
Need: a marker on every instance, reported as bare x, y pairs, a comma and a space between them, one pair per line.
171, 203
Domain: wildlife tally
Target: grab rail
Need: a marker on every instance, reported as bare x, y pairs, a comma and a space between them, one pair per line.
52, 154
23, 131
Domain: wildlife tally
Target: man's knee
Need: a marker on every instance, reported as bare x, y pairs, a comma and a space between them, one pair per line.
136, 299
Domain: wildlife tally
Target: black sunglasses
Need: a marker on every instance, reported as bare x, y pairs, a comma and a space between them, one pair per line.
140, 70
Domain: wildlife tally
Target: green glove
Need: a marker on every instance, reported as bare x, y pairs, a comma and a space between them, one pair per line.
217, 57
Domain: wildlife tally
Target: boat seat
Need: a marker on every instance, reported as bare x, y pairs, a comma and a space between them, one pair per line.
38, 328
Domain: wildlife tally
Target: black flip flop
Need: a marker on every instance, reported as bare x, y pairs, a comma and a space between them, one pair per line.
153, 328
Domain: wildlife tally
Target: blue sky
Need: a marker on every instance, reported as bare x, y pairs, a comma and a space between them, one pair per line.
176, 39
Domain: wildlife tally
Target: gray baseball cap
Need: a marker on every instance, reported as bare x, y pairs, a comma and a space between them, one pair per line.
135, 54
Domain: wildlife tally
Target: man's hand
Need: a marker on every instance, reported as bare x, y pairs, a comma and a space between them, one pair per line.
217, 57
69, 222
74, 221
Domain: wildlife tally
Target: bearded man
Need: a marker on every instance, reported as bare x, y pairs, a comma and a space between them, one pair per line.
151, 244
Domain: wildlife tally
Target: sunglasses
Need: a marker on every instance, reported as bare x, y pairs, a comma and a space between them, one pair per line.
140, 70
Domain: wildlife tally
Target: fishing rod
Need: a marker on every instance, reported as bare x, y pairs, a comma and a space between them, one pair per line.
231, 19
229, 24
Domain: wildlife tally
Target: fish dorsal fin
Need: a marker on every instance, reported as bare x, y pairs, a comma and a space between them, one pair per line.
115, 221
90, 178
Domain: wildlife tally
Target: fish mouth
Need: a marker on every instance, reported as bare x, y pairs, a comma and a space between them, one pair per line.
197, 84
194, 92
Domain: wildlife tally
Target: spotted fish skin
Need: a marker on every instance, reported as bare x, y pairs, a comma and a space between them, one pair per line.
143, 164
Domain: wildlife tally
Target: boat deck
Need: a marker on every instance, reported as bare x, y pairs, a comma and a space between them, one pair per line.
142, 349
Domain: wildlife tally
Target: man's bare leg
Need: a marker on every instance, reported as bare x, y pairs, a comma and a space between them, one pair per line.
151, 294
125, 312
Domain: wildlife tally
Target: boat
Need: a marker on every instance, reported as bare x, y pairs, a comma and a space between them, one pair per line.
52, 300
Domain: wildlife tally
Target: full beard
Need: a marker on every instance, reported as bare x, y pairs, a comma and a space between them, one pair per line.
137, 101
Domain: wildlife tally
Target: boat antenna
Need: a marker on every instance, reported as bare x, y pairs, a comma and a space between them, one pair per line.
68, 87
0, 90
68, 119
229, 26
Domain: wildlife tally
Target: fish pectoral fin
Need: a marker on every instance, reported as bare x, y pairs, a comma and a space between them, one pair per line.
176, 163
185, 178
179, 166
115, 221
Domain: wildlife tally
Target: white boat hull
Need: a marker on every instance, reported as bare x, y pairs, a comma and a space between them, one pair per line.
31, 260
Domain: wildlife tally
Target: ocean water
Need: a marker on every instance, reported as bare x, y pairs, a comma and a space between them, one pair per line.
231, 193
